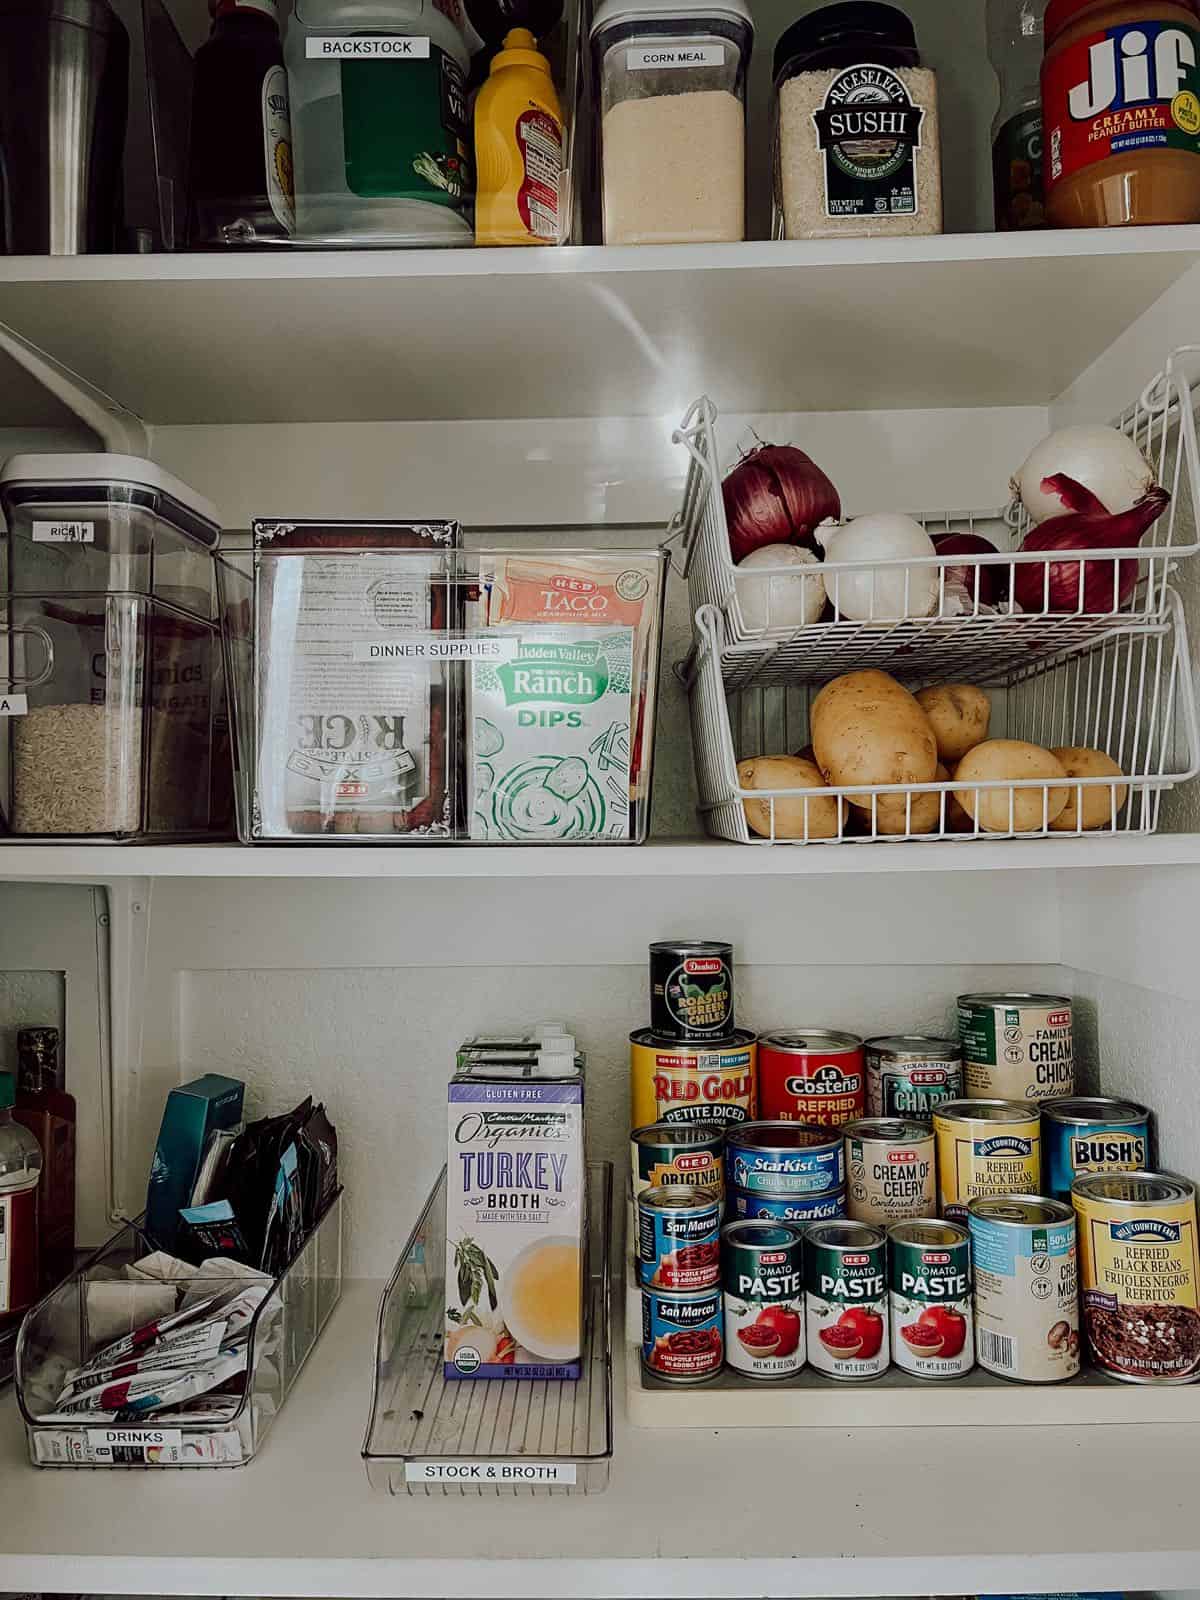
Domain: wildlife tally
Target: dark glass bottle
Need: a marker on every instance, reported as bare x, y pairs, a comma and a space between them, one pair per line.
241, 145
48, 1111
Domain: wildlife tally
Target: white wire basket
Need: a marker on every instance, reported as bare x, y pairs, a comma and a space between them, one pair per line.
961, 635
1129, 693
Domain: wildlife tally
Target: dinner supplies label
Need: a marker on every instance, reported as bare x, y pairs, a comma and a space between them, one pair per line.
657, 57
499, 1472
434, 647
64, 533
366, 47
14, 705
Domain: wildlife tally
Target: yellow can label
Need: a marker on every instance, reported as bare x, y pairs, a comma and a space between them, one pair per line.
978, 1158
682, 1083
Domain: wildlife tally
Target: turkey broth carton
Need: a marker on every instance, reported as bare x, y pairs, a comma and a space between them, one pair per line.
515, 1218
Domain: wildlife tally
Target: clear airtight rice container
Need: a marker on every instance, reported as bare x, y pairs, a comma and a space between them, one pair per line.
672, 103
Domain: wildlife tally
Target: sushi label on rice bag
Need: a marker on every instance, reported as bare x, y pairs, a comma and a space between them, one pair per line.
550, 736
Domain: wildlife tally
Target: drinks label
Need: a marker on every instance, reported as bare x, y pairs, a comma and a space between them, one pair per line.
14, 705
277, 148
499, 1472
658, 57
65, 532
366, 46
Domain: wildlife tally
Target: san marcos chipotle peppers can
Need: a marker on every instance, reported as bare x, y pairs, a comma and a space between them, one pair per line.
1017, 1046
891, 1170
909, 1074
762, 1277
711, 1083
682, 1335
1140, 1274
677, 1152
801, 1208
784, 1158
1026, 1287
679, 1238
811, 1075
1092, 1134
931, 1302
985, 1147
846, 1299
691, 990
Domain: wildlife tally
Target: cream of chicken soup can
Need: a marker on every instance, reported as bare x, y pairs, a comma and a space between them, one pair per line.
891, 1170
1017, 1046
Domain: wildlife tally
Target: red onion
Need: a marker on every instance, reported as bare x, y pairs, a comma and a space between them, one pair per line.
777, 495
993, 582
1086, 530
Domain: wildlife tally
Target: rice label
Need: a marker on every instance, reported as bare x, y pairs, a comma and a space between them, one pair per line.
366, 46
64, 533
14, 705
868, 132
668, 56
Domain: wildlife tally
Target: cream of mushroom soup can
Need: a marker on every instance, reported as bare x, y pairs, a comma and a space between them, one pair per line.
1017, 1046
1026, 1287
985, 1147
891, 1170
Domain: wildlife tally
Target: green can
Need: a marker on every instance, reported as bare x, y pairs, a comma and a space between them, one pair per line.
932, 1310
846, 1299
762, 1277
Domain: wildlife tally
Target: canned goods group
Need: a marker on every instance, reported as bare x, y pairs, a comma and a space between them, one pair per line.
673, 1152
692, 1083
800, 1208
846, 1299
1139, 1274
1091, 1134
762, 1277
811, 1075
932, 1311
682, 1334
691, 989
784, 1158
909, 1074
985, 1147
891, 1171
1017, 1046
679, 1238
1026, 1287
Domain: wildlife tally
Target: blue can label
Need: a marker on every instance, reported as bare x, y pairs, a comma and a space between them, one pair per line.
682, 1334
789, 1207
816, 1171
679, 1249
1070, 1152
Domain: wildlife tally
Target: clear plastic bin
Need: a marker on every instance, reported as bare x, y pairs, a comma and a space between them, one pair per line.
672, 90
99, 1303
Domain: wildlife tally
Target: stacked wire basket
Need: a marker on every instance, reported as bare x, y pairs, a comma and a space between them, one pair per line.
1118, 680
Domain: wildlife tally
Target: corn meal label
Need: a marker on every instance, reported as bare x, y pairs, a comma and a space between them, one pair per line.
666, 57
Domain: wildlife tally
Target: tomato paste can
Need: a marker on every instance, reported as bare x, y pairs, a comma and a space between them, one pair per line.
784, 1158
691, 990
679, 1238
801, 1208
1140, 1274
1026, 1287
1017, 1046
811, 1075
910, 1073
985, 1147
932, 1312
682, 1335
762, 1276
891, 1170
846, 1299
710, 1083
1092, 1134
678, 1152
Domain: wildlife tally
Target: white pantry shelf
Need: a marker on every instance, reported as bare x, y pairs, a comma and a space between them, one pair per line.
310, 336
665, 858
749, 1512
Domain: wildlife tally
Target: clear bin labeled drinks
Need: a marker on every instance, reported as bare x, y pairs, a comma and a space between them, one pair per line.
672, 87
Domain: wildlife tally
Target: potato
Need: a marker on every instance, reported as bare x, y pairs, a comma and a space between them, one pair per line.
866, 728
1079, 761
957, 820
893, 815
1010, 810
789, 772
959, 714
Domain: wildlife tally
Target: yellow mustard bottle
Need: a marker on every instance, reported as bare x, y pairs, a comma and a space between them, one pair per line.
518, 147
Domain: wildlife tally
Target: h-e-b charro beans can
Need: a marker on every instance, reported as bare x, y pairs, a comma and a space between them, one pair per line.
677, 1152
691, 990
1017, 1046
762, 1278
682, 1334
679, 1238
985, 1147
908, 1074
1092, 1134
891, 1170
712, 1083
811, 1075
931, 1304
1026, 1287
846, 1299
784, 1158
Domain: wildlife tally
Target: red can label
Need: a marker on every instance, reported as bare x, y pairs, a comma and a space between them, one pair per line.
1120, 91
820, 1086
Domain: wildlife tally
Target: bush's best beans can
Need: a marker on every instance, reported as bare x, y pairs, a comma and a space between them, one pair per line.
846, 1299
1026, 1287
909, 1074
784, 1158
1140, 1274
1017, 1046
711, 1083
811, 1075
677, 1152
1092, 1134
933, 1317
762, 1278
985, 1147
891, 1170
691, 990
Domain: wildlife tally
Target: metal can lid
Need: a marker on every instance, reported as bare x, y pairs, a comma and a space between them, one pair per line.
887, 1130
929, 1232
1001, 1111
1058, 1001
918, 1046
677, 1197
679, 1133
1083, 1111
739, 1039
803, 1041
1019, 1210
781, 1136
760, 1233
1134, 1189
842, 1234
695, 947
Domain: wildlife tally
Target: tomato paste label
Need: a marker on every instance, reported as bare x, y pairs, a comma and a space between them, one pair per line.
1123, 89
931, 1301
764, 1299
540, 142
846, 1302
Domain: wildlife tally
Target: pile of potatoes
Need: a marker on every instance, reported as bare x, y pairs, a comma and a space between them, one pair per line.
867, 728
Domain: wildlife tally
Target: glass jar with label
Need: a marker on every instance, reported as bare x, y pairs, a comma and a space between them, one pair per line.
1015, 46
380, 129
857, 143
672, 92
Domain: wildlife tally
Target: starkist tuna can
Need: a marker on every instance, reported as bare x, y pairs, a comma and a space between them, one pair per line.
812, 1075
711, 1083
801, 1208
784, 1158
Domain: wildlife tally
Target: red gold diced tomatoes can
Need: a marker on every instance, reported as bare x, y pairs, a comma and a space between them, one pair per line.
713, 1083
811, 1075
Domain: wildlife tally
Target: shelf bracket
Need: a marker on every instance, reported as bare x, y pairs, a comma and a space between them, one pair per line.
120, 431
122, 948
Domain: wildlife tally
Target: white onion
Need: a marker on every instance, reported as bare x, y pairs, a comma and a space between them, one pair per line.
889, 593
1102, 459
782, 601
